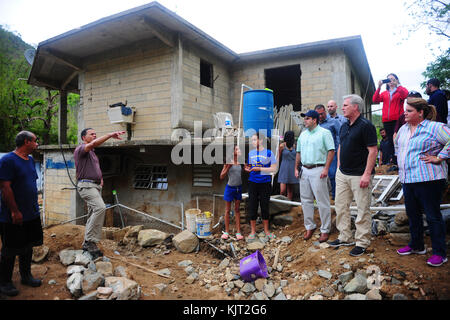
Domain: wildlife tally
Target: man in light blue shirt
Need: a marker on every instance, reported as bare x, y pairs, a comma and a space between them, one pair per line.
332, 124
315, 150
332, 111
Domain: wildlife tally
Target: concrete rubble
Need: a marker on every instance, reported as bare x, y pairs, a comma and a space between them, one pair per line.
359, 280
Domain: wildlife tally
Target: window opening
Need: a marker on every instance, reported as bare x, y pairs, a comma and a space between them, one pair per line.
206, 73
285, 83
151, 177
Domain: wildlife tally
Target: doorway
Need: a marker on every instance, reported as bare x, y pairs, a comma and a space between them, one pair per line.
285, 83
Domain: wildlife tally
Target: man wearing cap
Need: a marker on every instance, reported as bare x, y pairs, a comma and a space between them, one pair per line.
315, 150
357, 154
437, 99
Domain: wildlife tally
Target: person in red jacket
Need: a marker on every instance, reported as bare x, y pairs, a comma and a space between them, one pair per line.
393, 100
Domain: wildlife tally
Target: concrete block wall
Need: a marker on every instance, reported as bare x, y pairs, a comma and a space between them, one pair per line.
142, 78
201, 102
59, 204
325, 76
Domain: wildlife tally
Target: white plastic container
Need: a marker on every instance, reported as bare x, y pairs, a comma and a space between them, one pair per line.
191, 215
203, 226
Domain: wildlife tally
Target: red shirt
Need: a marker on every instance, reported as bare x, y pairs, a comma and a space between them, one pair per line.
392, 108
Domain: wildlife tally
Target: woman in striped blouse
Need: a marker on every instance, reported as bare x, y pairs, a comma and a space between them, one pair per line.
423, 148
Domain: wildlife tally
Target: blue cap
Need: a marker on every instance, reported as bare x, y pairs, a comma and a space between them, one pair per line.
311, 114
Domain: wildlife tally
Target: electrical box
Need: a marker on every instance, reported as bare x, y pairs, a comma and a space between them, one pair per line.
121, 114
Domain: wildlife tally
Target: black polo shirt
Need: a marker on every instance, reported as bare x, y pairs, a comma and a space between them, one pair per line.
354, 140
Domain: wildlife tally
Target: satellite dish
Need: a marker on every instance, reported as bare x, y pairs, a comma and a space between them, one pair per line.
29, 55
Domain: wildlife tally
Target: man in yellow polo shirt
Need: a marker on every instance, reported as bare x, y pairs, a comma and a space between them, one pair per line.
315, 150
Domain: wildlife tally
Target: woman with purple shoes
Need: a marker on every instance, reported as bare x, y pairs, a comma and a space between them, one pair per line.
423, 148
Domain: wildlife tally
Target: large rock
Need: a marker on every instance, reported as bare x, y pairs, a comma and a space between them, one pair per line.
123, 288
395, 228
75, 269
185, 241
277, 207
373, 294
74, 284
325, 274
255, 245
151, 237
401, 218
105, 268
357, 285
91, 281
269, 289
121, 271
67, 256
38, 270
345, 277
83, 258
134, 231
40, 253
283, 220
399, 239
356, 296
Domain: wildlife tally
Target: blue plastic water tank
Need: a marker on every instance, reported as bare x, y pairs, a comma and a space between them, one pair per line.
258, 112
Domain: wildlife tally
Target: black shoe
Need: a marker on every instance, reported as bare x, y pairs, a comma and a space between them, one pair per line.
338, 243
92, 248
31, 282
9, 289
357, 251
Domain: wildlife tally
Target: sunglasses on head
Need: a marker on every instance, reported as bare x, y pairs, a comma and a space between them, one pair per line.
414, 94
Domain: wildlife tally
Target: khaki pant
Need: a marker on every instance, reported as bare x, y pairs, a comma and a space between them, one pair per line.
92, 194
312, 187
347, 188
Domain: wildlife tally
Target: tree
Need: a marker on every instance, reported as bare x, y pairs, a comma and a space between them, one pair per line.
432, 14
25, 107
439, 69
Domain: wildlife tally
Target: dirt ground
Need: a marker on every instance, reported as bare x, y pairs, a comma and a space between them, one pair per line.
430, 283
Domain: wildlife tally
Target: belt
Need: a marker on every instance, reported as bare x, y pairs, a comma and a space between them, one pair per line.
313, 166
91, 181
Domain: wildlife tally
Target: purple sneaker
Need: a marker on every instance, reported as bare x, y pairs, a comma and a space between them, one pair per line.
436, 261
408, 250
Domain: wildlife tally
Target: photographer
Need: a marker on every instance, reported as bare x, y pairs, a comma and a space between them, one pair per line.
393, 100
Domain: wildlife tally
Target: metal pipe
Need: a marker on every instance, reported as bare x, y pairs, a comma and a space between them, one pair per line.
240, 108
147, 215
182, 216
295, 203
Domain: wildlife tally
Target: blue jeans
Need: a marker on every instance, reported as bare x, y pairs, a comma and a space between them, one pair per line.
427, 195
332, 175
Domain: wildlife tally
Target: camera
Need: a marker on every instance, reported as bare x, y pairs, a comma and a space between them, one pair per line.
386, 80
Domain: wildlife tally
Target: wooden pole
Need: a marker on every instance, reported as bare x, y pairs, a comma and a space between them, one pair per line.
62, 118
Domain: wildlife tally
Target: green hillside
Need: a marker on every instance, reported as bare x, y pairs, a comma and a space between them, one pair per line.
24, 107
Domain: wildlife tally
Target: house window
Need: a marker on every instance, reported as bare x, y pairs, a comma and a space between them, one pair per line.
285, 83
202, 176
206, 74
150, 177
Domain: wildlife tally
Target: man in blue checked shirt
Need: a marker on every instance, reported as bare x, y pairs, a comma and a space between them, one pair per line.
333, 125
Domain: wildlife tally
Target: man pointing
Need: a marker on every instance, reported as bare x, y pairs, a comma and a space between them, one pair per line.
90, 183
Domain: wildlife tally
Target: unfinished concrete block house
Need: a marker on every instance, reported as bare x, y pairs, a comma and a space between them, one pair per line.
172, 74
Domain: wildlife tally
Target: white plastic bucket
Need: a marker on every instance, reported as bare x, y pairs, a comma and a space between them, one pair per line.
203, 226
191, 215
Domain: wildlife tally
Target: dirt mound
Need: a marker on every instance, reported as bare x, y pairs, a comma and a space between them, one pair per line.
301, 260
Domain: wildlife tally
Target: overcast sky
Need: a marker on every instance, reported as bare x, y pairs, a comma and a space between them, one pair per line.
250, 25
